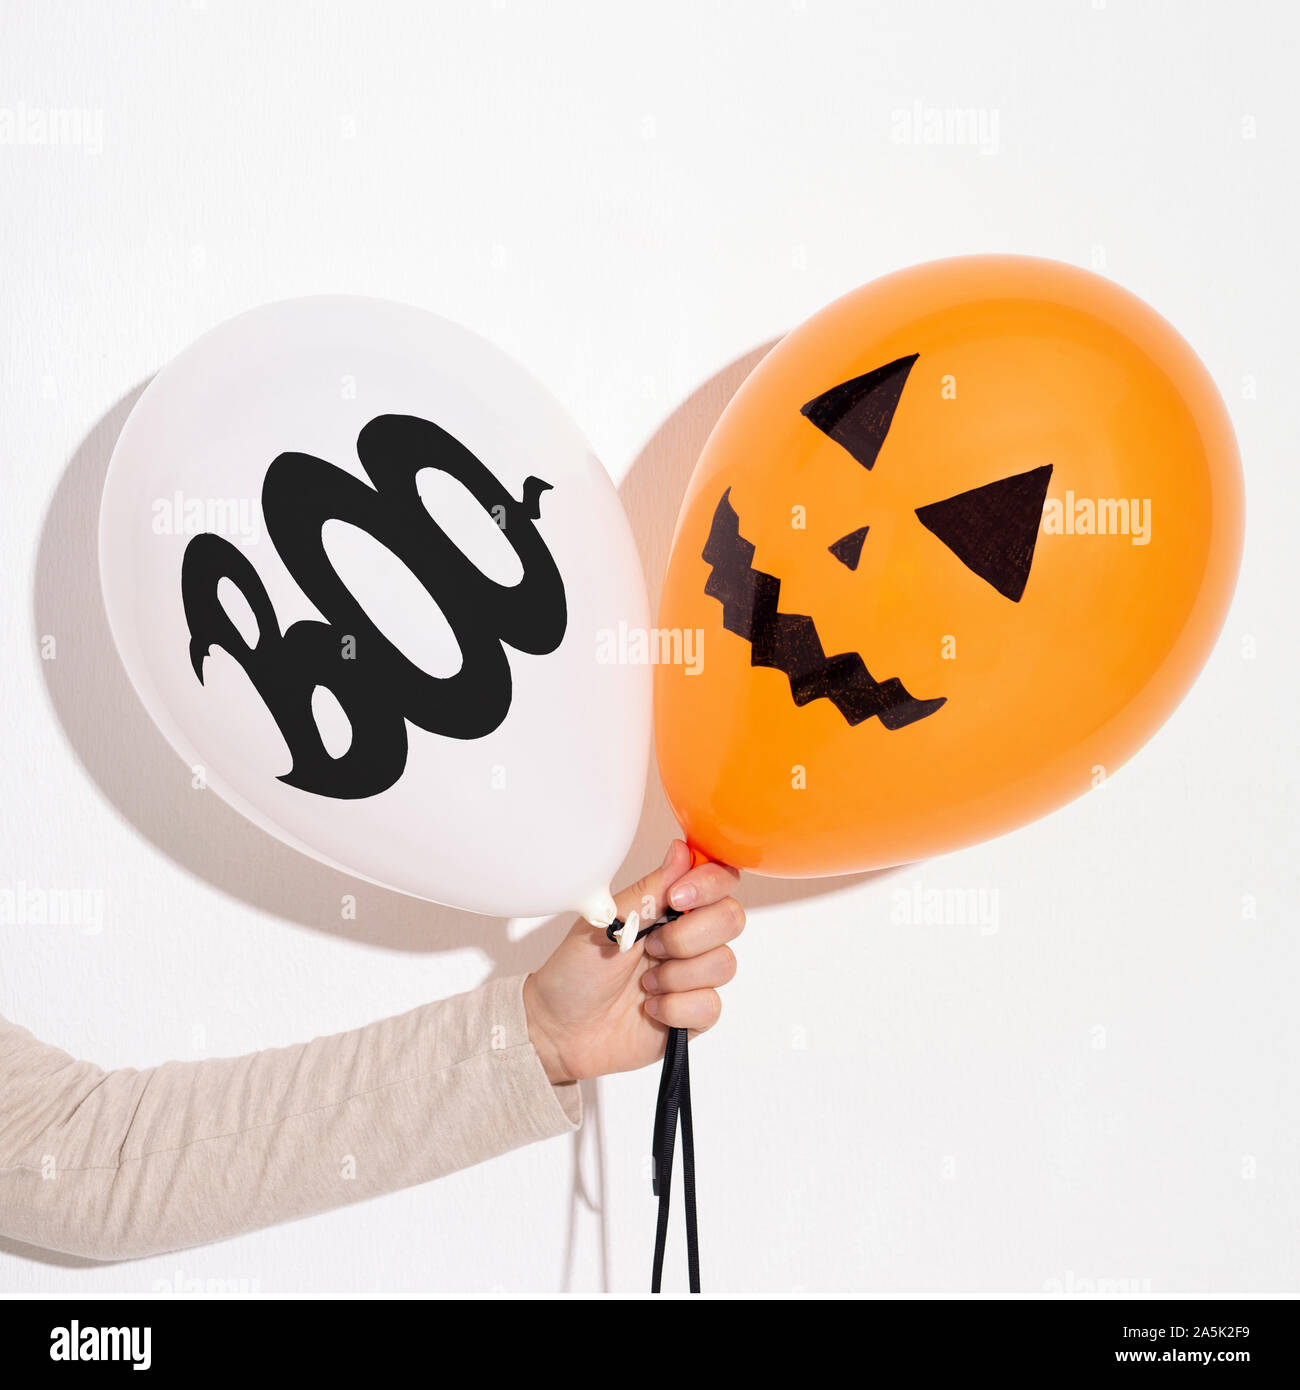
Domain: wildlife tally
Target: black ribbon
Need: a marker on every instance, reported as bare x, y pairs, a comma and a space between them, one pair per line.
672, 1107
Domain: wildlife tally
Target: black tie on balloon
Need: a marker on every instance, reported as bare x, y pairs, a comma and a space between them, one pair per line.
674, 1104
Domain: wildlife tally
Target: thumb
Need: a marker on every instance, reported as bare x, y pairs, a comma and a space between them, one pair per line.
649, 895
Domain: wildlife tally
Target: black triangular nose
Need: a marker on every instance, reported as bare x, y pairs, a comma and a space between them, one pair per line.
848, 549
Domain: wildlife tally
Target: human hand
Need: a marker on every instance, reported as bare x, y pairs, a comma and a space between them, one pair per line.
593, 1010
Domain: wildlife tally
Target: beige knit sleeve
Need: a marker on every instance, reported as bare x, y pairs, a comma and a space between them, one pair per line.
116, 1165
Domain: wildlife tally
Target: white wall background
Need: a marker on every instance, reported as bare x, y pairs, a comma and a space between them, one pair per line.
633, 199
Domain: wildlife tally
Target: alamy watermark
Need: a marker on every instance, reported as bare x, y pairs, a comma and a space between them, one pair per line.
1098, 516
30, 905
919, 906
181, 1284
237, 518
73, 1342
919, 124
627, 645
1104, 1286
76, 127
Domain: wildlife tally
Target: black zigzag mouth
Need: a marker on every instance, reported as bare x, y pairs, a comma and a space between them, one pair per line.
788, 642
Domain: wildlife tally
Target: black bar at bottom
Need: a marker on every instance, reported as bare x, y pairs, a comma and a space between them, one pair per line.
983, 1336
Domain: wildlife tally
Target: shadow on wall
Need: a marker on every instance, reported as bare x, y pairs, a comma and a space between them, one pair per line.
144, 779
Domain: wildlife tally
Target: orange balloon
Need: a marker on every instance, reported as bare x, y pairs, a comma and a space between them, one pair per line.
956, 548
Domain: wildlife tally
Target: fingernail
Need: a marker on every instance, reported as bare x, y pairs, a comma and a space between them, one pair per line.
668, 858
652, 1006
682, 895
655, 947
649, 982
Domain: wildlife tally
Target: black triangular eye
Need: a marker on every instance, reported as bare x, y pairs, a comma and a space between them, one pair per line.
857, 414
993, 529
848, 549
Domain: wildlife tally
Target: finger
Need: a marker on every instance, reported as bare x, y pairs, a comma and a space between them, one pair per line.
703, 885
712, 970
698, 1009
698, 931
648, 895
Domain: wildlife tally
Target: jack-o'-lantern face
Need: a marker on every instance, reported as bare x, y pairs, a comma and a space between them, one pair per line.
992, 529
955, 549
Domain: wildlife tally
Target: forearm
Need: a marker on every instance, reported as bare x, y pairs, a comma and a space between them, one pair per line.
123, 1164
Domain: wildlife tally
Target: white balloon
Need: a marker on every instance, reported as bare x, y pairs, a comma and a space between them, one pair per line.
522, 795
